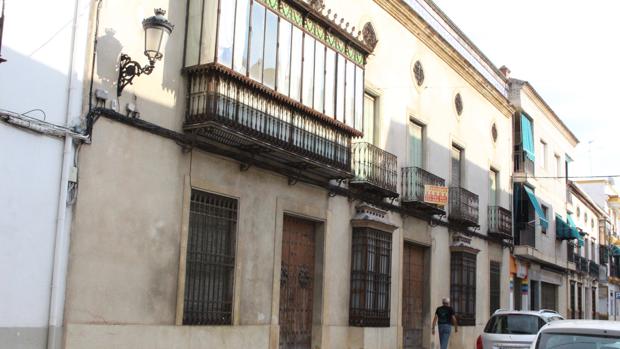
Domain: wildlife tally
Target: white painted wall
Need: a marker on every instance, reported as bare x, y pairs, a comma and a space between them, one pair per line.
39, 44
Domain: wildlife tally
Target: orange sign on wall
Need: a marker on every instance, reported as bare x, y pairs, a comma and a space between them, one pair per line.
434, 194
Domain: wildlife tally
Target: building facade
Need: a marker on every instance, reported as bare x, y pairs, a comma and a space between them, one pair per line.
584, 280
41, 84
605, 196
283, 179
542, 148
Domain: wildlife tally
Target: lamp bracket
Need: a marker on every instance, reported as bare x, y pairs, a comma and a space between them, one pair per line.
128, 70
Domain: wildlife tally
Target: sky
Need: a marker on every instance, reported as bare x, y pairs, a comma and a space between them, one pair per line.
570, 52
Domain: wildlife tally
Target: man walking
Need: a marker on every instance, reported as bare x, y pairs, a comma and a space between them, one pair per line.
444, 315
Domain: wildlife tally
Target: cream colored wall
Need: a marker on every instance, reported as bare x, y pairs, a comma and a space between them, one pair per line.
129, 220
551, 192
592, 234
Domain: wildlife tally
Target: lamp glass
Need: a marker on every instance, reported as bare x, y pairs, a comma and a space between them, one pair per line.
155, 39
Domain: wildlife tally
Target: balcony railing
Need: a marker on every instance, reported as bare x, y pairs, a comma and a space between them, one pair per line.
570, 252
463, 206
594, 269
414, 180
581, 264
238, 114
525, 234
523, 164
500, 222
603, 254
374, 169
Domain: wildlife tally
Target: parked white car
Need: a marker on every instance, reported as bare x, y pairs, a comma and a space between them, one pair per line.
514, 329
579, 334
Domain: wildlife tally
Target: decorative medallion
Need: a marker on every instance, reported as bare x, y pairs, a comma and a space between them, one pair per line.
418, 71
283, 276
368, 33
304, 277
458, 104
494, 132
317, 4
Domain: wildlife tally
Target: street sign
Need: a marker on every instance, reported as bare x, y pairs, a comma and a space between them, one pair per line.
617, 295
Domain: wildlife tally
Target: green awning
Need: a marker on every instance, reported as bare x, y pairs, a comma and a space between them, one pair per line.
527, 137
574, 231
544, 223
615, 251
563, 231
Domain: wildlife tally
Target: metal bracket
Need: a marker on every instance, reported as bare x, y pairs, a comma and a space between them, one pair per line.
128, 70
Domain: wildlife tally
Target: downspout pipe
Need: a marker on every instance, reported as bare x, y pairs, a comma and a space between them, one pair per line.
64, 215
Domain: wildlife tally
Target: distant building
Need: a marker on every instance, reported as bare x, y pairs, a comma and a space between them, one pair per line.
542, 151
604, 194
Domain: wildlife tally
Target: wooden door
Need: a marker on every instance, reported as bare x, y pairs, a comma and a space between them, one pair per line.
296, 283
413, 295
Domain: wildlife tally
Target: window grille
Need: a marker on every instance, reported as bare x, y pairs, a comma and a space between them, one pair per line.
210, 260
463, 287
494, 294
370, 278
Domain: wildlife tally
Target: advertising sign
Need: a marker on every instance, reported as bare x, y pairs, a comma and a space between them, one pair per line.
437, 195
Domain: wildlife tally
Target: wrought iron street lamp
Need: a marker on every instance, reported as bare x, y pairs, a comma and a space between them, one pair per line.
156, 31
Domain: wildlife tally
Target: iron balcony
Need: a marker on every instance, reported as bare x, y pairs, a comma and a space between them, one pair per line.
244, 117
463, 207
581, 264
525, 234
413, 181
374, 170
594, 269
500, 222
523, 164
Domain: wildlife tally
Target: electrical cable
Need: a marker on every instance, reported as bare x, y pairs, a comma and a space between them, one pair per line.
569, 177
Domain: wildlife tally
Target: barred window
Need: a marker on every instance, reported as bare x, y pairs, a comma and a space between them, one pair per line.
463, 287
210, 260
370, 278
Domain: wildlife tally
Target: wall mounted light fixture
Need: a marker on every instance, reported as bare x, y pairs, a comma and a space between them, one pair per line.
156, 31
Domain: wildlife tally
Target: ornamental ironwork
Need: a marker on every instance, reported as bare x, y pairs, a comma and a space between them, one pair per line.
369, 35
418, 72
458, 103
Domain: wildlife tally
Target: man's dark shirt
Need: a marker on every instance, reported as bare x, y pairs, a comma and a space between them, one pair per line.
444, 314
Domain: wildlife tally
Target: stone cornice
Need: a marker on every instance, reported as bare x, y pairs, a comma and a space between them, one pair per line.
549, 113
407, 17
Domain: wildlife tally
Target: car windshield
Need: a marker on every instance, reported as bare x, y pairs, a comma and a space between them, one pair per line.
514, 324
574, 341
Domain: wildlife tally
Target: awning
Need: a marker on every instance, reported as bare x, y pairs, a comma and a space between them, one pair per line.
563, 230
615, 251
574, 231
539, 211
527, 136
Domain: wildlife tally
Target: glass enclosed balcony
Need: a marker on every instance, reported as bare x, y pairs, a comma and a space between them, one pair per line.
274, 82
